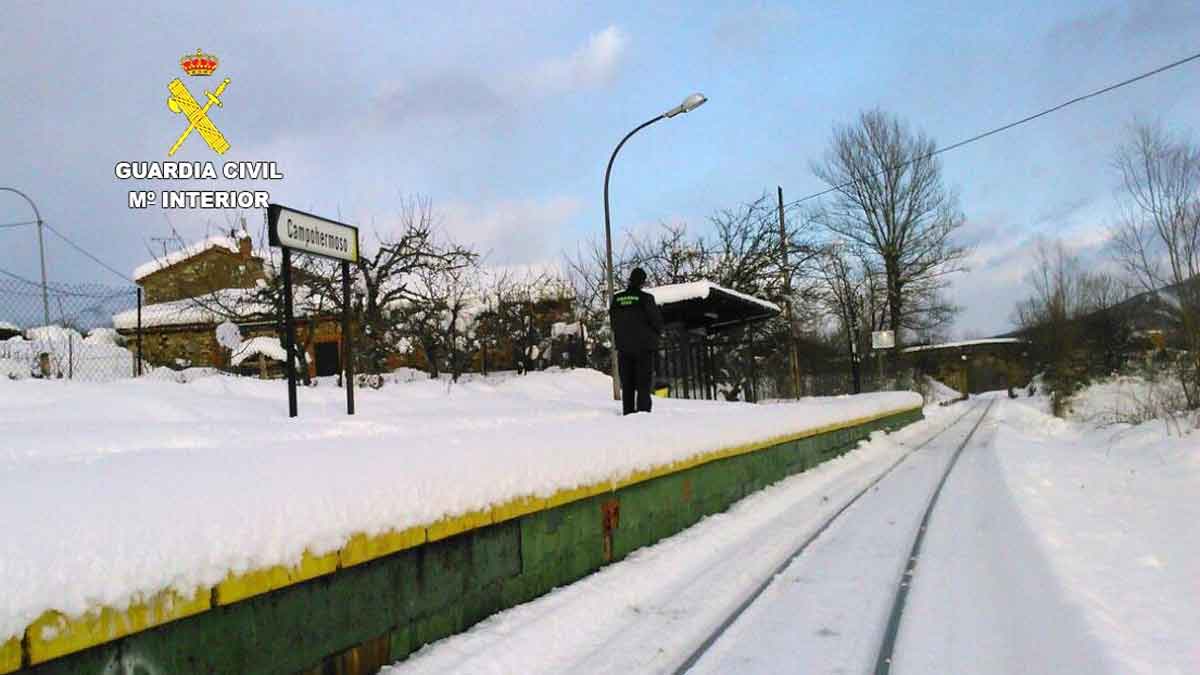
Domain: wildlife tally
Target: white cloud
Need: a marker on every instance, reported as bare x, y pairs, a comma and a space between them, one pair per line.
512, 232
594, 63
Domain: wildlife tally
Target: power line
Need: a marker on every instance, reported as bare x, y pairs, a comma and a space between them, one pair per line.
79, 248
88, 290
1006, 127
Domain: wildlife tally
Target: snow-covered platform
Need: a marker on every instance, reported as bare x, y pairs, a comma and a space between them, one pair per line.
135, 503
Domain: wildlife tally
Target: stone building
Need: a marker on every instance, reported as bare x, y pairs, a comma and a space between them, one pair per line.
188, 293
215, 263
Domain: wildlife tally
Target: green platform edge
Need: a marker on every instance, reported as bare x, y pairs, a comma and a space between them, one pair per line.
360, 618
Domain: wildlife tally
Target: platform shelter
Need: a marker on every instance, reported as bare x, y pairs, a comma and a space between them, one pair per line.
701, 318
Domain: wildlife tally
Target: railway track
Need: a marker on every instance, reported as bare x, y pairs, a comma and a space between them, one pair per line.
884, 657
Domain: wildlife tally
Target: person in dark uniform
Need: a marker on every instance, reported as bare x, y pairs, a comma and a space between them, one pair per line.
636, 324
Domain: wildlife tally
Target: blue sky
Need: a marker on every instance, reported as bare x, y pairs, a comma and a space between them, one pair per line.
505, 114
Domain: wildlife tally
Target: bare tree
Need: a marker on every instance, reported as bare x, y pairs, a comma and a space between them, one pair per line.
1049, 318
671, 256
847, 286
1107, 323
389, 279
443, 324
1157, 241
586, 280
890, 199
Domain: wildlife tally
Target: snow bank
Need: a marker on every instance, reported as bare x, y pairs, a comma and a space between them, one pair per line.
98, 357
1115, 512
154, 485
1131, 399
939, 391
184, 375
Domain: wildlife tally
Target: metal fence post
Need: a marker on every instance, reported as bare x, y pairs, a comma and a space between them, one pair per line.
138, 365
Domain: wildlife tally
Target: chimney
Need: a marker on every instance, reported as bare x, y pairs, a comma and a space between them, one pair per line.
244, 248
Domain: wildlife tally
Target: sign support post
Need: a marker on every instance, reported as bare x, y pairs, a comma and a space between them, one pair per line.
292, 229
347, 348
289, 330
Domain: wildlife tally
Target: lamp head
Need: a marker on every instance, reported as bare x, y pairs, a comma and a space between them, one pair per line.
689, 104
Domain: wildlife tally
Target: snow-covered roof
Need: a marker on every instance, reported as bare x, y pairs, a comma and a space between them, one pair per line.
232, 304
225, 241
4, 325
964, 343
209, 308
267, 346
700, 290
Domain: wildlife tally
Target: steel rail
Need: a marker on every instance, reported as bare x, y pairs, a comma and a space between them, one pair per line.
883, 661
712, 638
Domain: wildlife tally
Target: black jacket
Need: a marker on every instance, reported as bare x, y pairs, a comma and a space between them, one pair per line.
636, 321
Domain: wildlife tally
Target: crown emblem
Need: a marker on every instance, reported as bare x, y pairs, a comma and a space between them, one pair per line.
198, 63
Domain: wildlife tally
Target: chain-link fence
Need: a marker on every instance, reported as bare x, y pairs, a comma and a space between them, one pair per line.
88, 332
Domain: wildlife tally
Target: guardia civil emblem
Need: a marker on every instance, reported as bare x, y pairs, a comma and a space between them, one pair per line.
182, 102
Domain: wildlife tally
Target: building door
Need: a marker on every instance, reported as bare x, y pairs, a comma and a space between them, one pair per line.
328, 361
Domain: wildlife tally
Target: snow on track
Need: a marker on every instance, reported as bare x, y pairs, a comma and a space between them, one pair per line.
984, 599
827, 611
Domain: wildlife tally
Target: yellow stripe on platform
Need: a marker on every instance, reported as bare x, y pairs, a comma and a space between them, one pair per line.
576, 493
10, 656
237, 587
54, 634
364, 547
515, 508
448, 527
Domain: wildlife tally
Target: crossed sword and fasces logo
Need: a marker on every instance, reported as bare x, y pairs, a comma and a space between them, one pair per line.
181, 101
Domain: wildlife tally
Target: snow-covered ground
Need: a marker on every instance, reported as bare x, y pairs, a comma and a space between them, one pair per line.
1057, 546
121, 489
1115, 516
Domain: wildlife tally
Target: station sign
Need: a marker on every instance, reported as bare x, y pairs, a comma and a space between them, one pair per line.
293, 230
883, 339
305, 232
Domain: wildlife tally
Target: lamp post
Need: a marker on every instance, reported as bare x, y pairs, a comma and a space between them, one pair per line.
689, 104
41, 251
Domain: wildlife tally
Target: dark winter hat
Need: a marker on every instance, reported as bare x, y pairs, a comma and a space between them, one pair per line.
637, 277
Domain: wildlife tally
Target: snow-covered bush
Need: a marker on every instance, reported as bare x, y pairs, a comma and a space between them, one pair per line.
1133, 399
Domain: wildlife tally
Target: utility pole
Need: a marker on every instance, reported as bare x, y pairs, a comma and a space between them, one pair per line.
41, 251
793, 357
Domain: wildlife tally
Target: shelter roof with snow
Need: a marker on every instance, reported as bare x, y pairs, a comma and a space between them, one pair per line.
967, 344
705, 305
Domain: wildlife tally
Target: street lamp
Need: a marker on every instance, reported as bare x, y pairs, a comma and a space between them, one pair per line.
689, 104
41, 251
